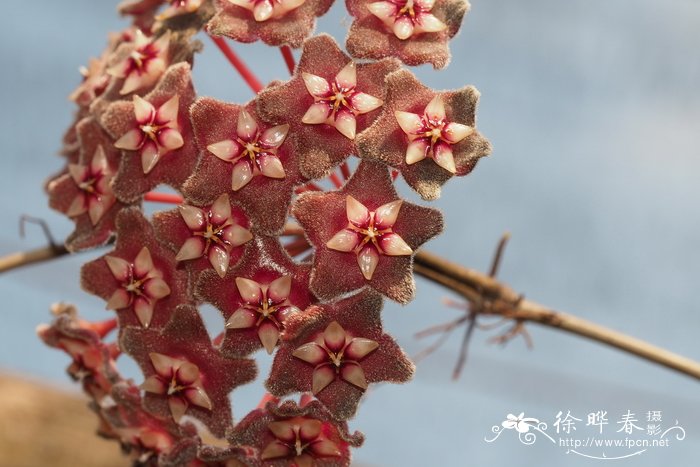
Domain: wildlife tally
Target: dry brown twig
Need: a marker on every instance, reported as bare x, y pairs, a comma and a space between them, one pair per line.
485, 296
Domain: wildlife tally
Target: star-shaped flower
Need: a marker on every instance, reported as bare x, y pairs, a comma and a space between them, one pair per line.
156, 135
257, 297
95, 196
364, 235
180, 49
335, 353
180, 381
428, 136
338, 102
328, 100
414, 31
184, 373
407, 17
84, 192
369, 234
94, 83
157, 132
138, 279
303, 436
208, 236
144, 64
141, 285
275, 22
252, 152
336, 350
251, 161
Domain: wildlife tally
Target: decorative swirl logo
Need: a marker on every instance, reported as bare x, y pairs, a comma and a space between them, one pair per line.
522, 425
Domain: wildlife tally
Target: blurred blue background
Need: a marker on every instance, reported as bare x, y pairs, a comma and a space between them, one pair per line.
593, 108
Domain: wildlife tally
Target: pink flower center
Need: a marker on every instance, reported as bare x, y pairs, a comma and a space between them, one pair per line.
213, 234
300, 439
408, 8
139, 59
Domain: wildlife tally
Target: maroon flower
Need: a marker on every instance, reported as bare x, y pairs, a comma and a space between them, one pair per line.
178, 380
92, 363
328, 100
95, 81
179, 7
184, 373
84, 192
149, 440
290, 435
275, 22
138, 279
336, 350
365, 235
145, 63
250, 161
209, 237
156, 134
428, 136
414, 31
257, 297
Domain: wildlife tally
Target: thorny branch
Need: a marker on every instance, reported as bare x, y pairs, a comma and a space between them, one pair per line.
485, 295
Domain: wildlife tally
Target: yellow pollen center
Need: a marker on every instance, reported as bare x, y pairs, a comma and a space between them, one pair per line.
150, 130
408, 8
138, 58
87, 185
134, 287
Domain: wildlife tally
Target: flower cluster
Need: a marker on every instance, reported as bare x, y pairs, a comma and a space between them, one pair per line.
295, 269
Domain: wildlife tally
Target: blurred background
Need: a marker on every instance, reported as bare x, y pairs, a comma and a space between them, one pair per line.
593, 109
